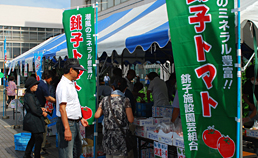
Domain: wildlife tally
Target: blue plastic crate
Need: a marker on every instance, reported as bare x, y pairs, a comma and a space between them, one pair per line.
144, 109
144, 113
22, 137
141, 106
21, 143
20, 147
144, 106
21, 140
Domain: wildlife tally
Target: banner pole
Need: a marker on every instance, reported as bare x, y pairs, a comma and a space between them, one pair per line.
4, 95
4, 78
239, 100
4, 91
97, 83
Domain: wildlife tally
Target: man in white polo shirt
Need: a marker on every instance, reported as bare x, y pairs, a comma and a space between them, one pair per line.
68, 109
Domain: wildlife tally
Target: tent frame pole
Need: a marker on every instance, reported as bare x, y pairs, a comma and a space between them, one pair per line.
239, 100
97, 83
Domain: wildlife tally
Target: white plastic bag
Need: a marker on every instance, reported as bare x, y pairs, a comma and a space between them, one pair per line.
13, 103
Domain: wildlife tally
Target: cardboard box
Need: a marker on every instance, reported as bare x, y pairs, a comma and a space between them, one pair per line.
141, 133
143, 121
157, 120
178, 141
161, 150
152, 135
165, 138
155, 111
146, 128
161, 111
252, 133
168, 112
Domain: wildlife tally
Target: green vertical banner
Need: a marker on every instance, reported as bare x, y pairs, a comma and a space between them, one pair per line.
79, 30
203, 42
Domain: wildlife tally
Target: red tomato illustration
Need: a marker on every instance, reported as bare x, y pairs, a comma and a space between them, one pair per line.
210, 137
37, 78
86, 112
226, 147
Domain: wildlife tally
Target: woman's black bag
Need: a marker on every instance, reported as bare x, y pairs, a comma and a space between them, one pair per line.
129, 138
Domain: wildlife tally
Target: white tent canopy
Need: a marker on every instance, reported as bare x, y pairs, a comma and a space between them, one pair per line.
139, 27
248, 12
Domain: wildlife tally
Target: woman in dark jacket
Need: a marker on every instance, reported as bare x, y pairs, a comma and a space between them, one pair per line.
34, 118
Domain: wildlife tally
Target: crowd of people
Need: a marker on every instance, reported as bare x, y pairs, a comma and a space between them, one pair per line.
118, 102
118, 105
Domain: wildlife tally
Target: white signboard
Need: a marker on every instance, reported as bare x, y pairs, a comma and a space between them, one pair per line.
30, 62
160, 150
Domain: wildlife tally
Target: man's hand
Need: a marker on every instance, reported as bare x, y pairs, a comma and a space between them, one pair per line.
44, 109
68, 135
44, 114
84, 122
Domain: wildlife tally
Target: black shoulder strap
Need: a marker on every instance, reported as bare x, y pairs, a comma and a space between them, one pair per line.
114, 116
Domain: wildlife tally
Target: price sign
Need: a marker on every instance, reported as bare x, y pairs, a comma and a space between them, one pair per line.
180, 152
160, 150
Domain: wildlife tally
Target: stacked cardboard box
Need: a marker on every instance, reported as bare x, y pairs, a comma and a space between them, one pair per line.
162, 111
171, 138
143, 125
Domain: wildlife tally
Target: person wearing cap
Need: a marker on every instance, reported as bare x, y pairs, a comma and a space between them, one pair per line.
34, 118
43, 95
68, 110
